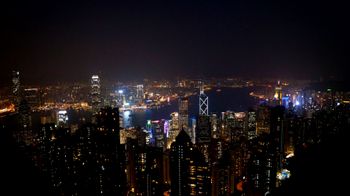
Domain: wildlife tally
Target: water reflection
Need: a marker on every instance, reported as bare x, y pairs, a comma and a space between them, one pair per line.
235, 99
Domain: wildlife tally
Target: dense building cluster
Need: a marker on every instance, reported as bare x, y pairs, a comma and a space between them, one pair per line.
233, 153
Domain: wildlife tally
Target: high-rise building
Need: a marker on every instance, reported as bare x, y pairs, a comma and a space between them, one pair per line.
108, 121
278, 93
190, 174
251, 124
203, 136
203, 130
183, 113
222, 177
199, 180
203, 101
194, 125
120, 98
25, 133
173, 128
110, 153
180, 155
262, 167
32, 95
16, 91
95, 93
214, 126
62, 118
156, 129
263, 120
277, 127
139, 93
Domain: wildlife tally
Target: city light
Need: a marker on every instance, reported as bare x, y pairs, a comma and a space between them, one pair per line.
172, 98
283, 175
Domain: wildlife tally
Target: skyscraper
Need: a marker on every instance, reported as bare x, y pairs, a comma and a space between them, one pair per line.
183, 113
251, 124
180, 155
203, 101
203, 130
214, 126
278, 93
190, 174
203, 135
110, 153
277, 128
62, 118
32, 95
95, 93
16, 88
139, 93
173, 128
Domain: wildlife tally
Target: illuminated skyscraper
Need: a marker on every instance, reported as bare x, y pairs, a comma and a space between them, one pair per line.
203, 132
214, 126
203, 101
62, 118
24, 134
139, 92
278, 93
120, 98
156, 131
194, 125
251, 124
173, 128
16, 88
263, 120
183, 113
95, 93
203, 135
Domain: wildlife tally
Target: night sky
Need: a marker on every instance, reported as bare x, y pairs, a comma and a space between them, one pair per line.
50, 41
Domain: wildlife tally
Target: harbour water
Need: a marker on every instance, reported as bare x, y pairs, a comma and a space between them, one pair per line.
220, 100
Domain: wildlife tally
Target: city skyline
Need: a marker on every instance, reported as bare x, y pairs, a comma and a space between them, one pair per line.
174, 98
84, 140
73, 40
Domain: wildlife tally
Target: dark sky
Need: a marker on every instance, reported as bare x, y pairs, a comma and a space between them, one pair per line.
50, 41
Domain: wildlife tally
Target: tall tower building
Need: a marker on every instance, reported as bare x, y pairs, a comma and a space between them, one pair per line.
62, 118
95, 93
278, 93
203, 101
214, 126
203, 135
16, 88
251, 124
139, 92
189, 174
203, 129
111, 179
180, 156
173, 128
24, 133
183, 113
277, 128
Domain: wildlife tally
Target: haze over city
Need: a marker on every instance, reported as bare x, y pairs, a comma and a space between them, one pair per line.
71, 40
